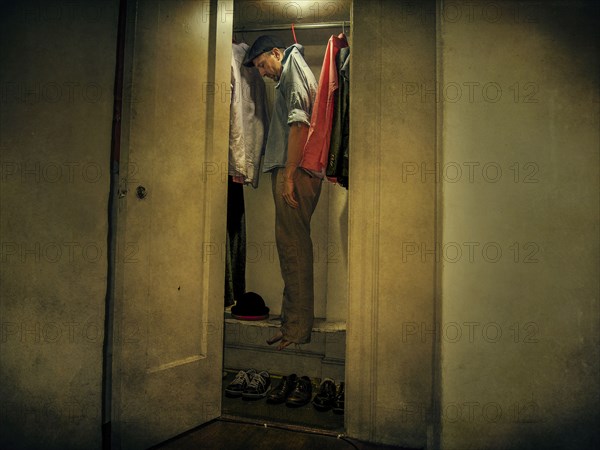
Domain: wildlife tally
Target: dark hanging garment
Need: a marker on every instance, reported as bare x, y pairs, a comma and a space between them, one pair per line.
235, 253
339, 155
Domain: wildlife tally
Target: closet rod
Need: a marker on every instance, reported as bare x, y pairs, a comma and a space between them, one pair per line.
297, 26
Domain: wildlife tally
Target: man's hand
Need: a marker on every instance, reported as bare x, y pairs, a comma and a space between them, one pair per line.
288, 188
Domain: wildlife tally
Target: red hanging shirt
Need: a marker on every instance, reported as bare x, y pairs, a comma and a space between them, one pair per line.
316, 149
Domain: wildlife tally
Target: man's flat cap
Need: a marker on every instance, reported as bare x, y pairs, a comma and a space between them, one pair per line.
263, 44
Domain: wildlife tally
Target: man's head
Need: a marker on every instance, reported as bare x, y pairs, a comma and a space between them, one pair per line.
266, 54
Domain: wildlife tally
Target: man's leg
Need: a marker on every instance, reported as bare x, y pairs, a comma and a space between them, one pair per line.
294, 246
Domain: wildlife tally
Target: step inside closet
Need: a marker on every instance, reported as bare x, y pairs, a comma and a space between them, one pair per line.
310, 24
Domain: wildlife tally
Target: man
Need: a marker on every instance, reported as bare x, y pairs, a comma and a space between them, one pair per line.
295, 190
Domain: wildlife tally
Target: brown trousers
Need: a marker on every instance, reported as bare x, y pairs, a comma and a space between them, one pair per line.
294, 246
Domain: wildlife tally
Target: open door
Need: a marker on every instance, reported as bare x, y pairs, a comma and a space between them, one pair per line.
168, 307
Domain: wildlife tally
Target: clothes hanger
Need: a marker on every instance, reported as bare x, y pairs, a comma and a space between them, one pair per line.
294, 34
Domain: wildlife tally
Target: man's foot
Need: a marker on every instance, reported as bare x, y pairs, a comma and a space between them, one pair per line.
283, 344
275, 338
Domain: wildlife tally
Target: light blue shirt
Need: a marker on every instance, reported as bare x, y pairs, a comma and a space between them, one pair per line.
294, 99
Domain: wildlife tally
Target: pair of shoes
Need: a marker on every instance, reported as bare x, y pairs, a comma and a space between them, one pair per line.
249, 384
328, 397
301, 394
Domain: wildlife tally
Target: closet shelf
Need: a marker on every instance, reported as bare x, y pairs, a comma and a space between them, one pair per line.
320, 324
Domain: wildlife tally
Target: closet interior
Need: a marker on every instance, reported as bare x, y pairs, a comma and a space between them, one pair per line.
311, 24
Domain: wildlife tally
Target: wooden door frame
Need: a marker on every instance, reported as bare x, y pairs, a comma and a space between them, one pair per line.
371, 413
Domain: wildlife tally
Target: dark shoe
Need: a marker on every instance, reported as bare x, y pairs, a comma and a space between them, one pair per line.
239, 383
301, 394
259, 386
338, 404
324, 399
282, 391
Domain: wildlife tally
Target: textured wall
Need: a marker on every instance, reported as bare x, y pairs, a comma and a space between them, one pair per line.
58, 64
519, 326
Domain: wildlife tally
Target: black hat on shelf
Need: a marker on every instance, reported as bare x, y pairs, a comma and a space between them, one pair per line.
261, 45
250, 307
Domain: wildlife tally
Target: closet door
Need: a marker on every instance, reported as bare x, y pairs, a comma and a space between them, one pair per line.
167, 342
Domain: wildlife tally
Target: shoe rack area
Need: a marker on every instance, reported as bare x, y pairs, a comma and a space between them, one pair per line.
319, 411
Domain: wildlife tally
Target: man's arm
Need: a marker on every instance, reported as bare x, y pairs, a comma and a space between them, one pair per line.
296, 140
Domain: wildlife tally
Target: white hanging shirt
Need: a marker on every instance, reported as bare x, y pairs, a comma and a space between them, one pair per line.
249, 119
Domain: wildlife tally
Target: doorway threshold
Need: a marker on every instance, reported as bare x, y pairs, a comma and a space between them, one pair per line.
269, 423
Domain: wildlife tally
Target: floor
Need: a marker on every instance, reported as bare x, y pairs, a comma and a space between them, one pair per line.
231, 435
258, 425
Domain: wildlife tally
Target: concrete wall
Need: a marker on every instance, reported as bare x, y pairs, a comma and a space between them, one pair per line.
519, 329
58, 64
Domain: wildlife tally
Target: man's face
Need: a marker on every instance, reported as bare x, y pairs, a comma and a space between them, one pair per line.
269, 64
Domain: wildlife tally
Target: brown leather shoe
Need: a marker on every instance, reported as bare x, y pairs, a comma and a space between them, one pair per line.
324, 399
302, 394
283, 389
